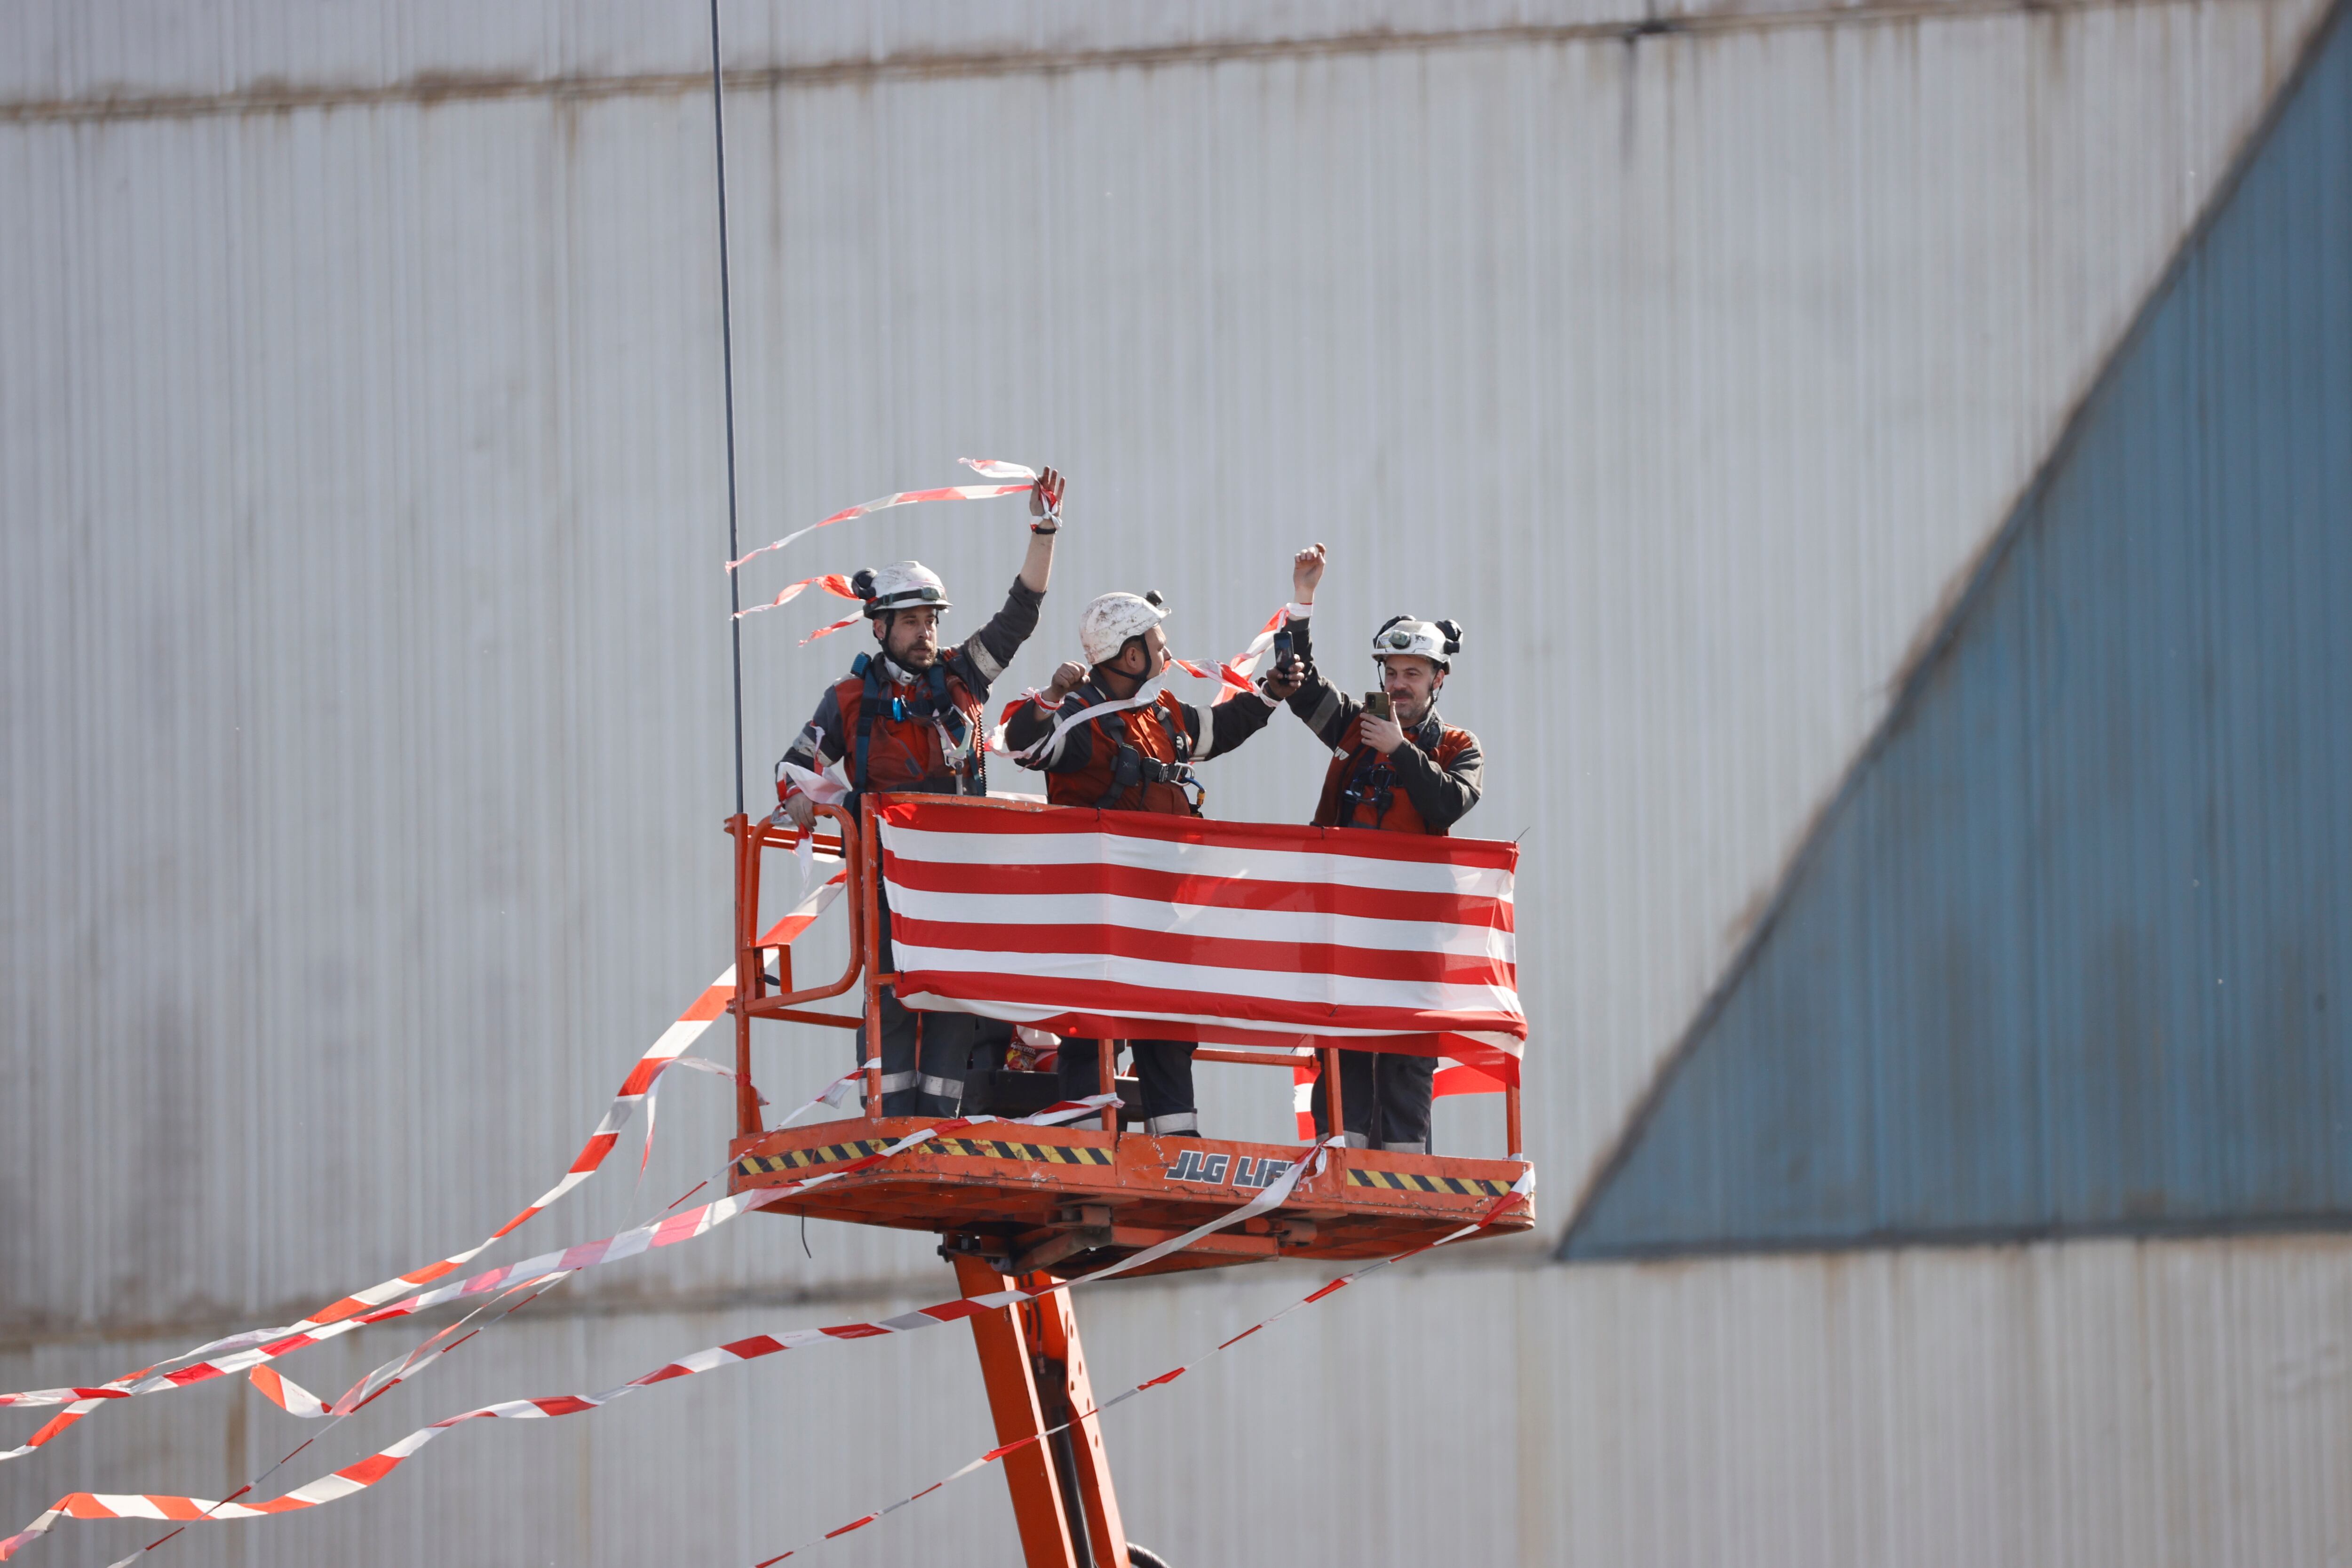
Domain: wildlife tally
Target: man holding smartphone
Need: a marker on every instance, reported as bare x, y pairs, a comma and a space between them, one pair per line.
1398, 767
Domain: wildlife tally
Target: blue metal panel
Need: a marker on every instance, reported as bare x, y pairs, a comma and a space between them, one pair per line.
2072, 951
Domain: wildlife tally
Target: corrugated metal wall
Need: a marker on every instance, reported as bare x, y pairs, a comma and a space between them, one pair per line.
364, 703
2073, 950
2102, 1404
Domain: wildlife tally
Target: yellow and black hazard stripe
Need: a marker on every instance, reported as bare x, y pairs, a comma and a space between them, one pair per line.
1037, 1153
975, 1148
1398, 1182
801, 1159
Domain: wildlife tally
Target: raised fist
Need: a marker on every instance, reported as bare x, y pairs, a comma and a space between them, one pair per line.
1306, 572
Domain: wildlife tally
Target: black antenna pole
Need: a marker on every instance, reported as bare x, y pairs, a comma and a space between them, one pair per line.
727, 355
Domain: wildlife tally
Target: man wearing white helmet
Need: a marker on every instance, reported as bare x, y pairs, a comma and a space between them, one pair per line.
1408, 773
1106, 736
907, 719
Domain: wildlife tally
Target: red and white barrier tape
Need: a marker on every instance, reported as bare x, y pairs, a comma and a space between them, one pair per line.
1520, 1188
690, 1226
1237, 671
832, 583
987, 467
80, 1402
293, 1398
365, 1473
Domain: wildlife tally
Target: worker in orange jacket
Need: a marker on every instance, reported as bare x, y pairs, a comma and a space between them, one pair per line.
907, 719
1106, 736
1410, 771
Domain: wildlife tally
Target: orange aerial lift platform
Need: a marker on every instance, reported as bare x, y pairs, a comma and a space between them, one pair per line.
1022, 1205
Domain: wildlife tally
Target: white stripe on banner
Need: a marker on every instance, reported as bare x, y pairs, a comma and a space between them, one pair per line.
1180, 919
1355, 993
1106, 846
1089, 922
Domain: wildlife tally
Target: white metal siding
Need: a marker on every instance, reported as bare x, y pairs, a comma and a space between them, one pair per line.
2102, 1404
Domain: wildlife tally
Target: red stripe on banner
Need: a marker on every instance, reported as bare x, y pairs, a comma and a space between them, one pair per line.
1118, 999
933, 815
1215, 952
1150, 886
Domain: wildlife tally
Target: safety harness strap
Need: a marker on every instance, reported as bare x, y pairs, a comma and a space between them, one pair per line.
1130, 768
935, 705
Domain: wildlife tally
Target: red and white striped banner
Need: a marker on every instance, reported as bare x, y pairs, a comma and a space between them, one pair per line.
236, 1353
1118, 924
358, 1477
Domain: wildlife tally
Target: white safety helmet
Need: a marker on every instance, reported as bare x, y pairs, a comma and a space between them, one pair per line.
901, 585
1105, 626
1436, 641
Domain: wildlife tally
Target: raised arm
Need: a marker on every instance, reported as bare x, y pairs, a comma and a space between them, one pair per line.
985, 654
1045, 506
1324, 708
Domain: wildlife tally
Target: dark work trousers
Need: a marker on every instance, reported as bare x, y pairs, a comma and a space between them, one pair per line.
925, 1054
1165, 1066
1386, 1097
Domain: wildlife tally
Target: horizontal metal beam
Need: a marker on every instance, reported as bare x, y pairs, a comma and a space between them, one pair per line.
279, 97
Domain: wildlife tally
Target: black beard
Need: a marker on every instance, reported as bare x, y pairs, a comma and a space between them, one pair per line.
917, 660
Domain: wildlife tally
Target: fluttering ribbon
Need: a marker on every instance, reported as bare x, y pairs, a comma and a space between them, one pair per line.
80, 1402
365, 1473
358, 1477
987, 467
832, 583
669, 1231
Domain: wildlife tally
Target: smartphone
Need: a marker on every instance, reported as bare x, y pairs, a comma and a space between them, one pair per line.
1377, 704
1283, 647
